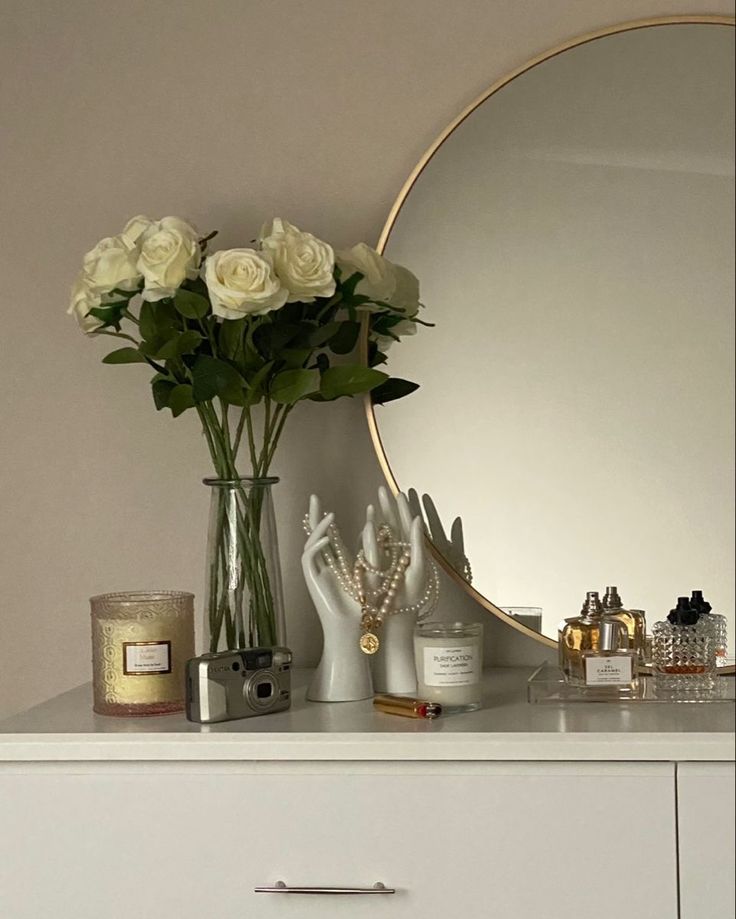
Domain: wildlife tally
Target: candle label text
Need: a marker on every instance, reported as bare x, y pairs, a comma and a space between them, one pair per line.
143, 657
451, 666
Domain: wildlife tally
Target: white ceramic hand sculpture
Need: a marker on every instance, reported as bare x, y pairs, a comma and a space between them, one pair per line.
393, 664
343, 674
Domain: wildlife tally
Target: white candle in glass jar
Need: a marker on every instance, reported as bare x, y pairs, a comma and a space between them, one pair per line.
449, 662
141, 641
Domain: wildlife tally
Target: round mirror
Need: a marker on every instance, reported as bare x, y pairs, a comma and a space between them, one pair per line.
573, 231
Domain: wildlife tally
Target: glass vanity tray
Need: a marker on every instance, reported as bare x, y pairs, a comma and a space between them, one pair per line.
547, 684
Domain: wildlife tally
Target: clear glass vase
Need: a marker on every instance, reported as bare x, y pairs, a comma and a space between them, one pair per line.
243, 597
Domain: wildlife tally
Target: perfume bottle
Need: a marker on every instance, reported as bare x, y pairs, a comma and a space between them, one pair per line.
633, 619
684, 649
718, 622
578, 635
615, 664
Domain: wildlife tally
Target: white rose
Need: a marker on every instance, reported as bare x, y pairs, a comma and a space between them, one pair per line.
378, 281
242, 282
82, 300
111, 264
169, 254
135, 228
382, 280
402, 328
406, 294
304, 264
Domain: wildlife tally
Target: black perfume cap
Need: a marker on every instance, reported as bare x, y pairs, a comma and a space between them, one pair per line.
684, 613
699, 602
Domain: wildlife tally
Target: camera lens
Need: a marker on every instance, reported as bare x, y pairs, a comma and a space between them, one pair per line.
261, 691
236, 665
264, 690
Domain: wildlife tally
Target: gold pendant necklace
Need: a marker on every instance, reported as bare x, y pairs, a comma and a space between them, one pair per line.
369, 641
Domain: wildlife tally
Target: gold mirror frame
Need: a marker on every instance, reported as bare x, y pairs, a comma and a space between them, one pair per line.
396, 210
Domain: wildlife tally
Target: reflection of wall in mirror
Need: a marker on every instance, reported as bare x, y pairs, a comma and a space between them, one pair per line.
575, 241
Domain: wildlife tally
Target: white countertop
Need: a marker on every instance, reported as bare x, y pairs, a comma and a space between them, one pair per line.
506, 728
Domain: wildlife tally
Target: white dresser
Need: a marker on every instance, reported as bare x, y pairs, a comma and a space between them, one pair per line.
513, 812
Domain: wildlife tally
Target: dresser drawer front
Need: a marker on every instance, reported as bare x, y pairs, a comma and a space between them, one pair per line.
706, 804
507, 841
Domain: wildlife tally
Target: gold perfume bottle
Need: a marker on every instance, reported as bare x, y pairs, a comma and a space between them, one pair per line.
613, 668
578, 635
634, 621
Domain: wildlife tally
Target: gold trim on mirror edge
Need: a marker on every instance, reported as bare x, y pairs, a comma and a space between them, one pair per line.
391, 220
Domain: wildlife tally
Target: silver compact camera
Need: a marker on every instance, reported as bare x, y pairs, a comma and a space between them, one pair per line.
238, 684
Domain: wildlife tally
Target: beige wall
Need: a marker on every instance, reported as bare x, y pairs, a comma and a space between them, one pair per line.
225, 112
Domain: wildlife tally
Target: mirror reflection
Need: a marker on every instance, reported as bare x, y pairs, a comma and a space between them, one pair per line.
575, 240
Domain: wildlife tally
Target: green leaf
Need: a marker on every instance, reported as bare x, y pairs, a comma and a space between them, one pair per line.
124, 356
347, 287
186, 343
110, 314
291, 312
349, 380
191, 305
294, 358
147, 320
180, 399
375, 357
290, 386
346, 338
395, 388
256, 389
211, 378
161, 391
231, 337
151, 348
322, 334
271, 337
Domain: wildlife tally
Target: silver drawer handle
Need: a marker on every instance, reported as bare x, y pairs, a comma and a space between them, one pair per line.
280, 887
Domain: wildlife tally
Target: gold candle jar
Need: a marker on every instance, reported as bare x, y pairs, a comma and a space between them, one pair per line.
141, 641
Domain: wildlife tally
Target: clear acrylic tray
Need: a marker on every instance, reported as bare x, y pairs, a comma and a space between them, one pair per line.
547, 684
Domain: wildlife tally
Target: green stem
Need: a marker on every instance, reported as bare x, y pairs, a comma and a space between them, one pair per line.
251, 442
236, 530
226, 433
239, 433
118, 335
276, 437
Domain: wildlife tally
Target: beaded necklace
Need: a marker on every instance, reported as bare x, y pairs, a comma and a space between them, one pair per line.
378, 601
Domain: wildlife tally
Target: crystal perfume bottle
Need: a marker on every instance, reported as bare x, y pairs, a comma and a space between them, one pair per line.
633, 620
718, 622
614, 666
684, 649
578, 635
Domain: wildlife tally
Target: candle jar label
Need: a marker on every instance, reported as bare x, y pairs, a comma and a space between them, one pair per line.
451, 666
143, 657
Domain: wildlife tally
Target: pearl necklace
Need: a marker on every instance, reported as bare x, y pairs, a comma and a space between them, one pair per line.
377, 602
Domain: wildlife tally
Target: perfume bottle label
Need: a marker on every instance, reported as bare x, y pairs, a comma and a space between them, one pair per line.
140, 657
451, 666
609, 671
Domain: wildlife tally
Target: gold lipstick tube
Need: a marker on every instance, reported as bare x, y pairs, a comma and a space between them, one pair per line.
406, 706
